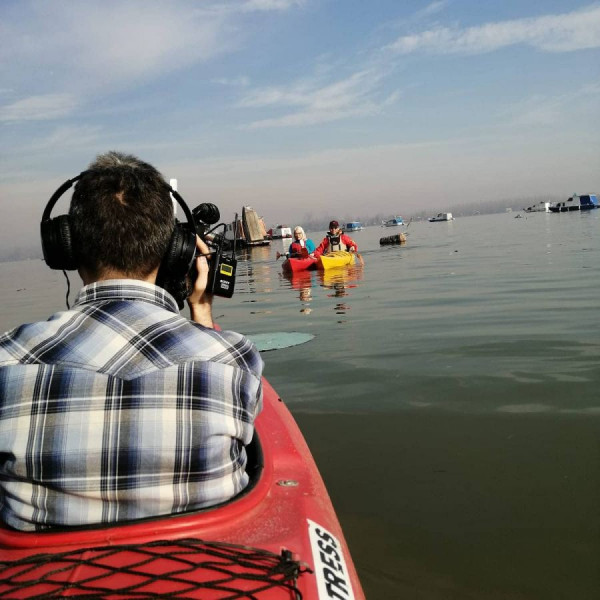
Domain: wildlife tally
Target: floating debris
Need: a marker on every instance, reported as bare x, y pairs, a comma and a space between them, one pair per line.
399, 238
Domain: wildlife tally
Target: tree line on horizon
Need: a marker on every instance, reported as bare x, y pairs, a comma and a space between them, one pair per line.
465, 209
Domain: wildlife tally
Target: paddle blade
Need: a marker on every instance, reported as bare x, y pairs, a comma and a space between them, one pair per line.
279, 339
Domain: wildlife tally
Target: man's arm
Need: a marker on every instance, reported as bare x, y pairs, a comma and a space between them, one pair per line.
321, 248
350, 243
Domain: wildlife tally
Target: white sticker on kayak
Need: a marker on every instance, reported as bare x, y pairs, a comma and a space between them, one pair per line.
333, 579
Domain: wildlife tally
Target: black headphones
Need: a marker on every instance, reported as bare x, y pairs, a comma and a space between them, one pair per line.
58, 249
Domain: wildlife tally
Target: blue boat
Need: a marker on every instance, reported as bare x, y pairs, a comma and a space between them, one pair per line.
586, 202
396, 221
353, 226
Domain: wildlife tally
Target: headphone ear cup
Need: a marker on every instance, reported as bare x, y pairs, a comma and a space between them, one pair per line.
57, 243
180, 253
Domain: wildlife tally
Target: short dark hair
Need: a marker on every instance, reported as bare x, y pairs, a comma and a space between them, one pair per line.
122, 216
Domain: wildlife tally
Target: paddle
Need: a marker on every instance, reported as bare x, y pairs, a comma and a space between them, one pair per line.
279, 339
303, 254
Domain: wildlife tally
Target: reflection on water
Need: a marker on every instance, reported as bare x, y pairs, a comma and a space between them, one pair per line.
335, 282
303, 283
254, 271
339, 281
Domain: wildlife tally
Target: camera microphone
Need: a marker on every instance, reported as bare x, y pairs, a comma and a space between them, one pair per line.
206, 213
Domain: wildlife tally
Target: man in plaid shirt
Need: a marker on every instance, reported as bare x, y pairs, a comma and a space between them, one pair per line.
120, 408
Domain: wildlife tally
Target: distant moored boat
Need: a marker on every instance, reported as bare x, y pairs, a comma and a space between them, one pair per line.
353, 226
587, 202
539, 207
396, 221
280, 231
441, 217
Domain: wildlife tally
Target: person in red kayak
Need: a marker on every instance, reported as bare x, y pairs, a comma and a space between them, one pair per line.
302, 246
120, 408
335, 240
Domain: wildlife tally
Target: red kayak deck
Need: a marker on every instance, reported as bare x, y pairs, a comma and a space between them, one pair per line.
292, 541
295, 265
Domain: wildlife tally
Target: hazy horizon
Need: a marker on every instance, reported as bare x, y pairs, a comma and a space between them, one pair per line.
33, 250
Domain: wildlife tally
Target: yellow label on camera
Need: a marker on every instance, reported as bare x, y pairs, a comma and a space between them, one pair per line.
226, 270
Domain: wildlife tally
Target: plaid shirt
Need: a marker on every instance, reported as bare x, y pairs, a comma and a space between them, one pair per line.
120, 408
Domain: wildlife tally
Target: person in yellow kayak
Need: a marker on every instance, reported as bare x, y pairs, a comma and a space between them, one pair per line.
335, 240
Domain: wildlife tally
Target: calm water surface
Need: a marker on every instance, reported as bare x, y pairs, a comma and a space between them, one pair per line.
450, 397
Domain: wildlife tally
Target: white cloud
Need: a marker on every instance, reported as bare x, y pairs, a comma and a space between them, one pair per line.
241, 81
39, 108
432, 9
264, 5
552, 110
355, 95
96, 48
68, 137
99, 48
577, 30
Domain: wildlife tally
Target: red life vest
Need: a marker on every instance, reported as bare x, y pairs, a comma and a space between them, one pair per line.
298, 249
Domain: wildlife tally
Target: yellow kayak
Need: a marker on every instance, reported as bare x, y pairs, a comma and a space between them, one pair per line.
339, 258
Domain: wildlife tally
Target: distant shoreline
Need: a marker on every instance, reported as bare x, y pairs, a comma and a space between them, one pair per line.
34, 251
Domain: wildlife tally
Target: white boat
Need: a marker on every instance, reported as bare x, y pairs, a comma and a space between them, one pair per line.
353, 226
441, 217
393, 222
587, 202
539, 207
280, 231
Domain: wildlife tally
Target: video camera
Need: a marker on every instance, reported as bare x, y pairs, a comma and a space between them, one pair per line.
221, 266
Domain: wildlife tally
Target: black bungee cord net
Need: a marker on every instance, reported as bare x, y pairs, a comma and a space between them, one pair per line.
228, 571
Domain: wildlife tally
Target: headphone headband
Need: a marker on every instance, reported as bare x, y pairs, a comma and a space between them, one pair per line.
67, 184
59, 254
57, 194
186, 211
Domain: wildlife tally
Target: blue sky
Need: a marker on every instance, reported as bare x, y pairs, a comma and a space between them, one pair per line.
303, 107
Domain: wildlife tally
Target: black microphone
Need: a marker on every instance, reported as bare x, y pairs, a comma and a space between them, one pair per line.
206, 213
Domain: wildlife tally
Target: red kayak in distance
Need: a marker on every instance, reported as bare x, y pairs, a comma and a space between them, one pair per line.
294, 265
279, 539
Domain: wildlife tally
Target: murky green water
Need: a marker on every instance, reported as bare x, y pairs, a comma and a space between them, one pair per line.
450, 396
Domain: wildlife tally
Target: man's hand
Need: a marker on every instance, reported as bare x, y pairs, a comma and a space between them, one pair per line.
200, 301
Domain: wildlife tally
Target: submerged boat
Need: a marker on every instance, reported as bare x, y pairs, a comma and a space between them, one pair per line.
587, 202
353, 226
279, 539
247, 232
339, 258
295, 265
441, 217
393, 222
